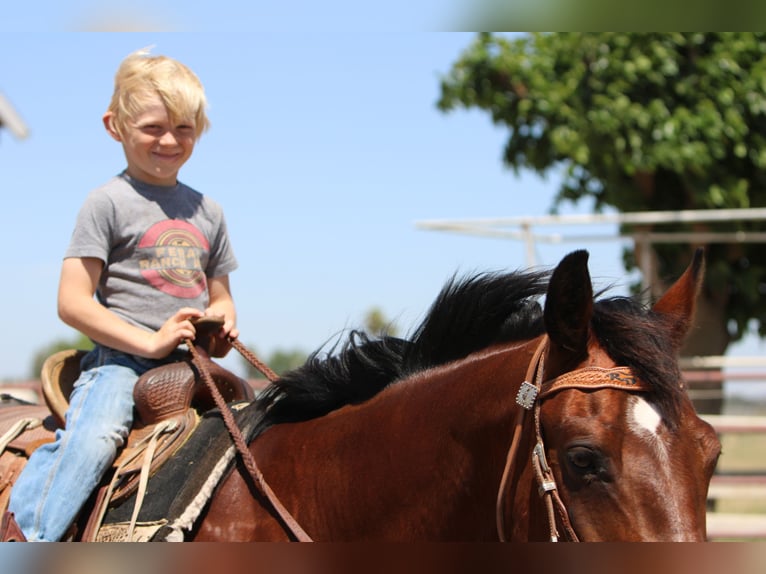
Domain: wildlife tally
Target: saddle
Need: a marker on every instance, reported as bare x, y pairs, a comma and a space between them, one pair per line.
168, 403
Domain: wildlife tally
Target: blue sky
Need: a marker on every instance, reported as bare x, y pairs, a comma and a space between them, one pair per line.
233, 16
325, 149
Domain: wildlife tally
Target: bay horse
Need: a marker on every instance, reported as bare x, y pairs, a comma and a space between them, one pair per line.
500, 418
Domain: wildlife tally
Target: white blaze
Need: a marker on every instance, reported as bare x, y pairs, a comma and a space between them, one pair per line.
645, 417
645, 420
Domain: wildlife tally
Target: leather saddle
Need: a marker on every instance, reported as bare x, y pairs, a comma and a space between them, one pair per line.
168, 402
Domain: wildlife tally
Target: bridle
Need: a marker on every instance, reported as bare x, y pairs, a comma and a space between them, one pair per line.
530, 397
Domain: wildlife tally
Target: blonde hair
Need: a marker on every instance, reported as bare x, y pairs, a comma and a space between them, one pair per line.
142, 77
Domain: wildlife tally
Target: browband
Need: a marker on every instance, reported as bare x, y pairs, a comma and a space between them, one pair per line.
588, 378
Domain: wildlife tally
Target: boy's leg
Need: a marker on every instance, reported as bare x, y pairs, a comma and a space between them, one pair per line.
60, 476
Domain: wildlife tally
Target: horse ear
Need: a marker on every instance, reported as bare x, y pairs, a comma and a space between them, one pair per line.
680, 300
569, 307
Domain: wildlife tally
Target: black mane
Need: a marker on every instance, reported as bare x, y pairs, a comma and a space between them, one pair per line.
469, 314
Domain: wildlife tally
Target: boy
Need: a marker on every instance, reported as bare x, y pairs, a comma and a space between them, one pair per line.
156, 254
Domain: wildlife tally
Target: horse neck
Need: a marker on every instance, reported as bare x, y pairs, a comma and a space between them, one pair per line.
439, 436
489, 382
484, 384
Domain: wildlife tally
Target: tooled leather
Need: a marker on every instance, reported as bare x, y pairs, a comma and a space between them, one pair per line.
32, 436
170, 389
164, 391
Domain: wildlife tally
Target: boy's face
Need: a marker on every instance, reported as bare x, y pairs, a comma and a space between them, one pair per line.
155, 146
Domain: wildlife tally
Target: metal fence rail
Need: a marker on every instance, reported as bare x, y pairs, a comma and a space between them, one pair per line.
742, 486
723, 526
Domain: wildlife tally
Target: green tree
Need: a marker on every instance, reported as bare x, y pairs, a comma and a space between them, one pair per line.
640, 122
280, 361
376, 323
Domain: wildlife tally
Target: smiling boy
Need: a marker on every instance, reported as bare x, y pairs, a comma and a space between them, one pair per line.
147, 255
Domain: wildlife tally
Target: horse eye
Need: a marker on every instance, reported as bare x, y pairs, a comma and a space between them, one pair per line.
582, 458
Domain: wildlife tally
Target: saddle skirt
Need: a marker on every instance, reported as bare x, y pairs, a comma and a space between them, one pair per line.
22, 429
168, 401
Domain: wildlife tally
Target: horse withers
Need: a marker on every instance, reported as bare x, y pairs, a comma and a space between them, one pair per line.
499, 419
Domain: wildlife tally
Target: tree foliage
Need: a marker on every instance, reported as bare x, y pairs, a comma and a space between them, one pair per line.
280, 361
655, 121
376, 323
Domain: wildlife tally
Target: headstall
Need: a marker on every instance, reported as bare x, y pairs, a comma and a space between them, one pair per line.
530, 397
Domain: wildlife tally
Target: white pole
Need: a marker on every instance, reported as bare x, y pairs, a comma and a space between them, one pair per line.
529, 240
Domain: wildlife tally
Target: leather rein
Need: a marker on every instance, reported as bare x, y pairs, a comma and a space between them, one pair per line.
236, 434
530, 396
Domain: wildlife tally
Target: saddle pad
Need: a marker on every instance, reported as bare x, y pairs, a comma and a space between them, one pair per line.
179, 490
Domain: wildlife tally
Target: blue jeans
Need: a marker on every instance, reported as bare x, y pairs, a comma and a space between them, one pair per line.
60, 476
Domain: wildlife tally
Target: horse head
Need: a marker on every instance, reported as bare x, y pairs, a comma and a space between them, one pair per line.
620, 452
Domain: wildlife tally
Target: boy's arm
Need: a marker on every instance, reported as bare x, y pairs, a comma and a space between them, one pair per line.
78, 309
222, 304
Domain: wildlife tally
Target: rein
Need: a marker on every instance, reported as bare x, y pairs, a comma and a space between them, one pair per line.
236, 433
530, 397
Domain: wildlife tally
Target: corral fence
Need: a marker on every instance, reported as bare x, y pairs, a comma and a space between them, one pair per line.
737, 494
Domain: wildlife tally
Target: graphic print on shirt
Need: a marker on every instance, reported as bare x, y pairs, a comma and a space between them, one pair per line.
170, 258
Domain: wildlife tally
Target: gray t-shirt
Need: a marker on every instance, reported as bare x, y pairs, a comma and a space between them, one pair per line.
159, 246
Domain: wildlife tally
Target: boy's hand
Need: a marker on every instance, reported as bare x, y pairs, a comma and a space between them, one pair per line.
217, 329
173, 332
